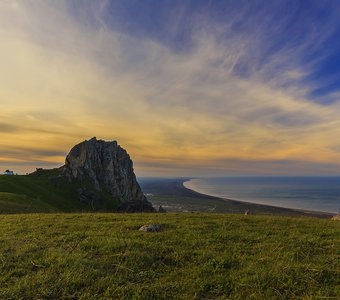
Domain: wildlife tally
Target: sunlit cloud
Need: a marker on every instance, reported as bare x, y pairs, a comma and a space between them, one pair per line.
222, 103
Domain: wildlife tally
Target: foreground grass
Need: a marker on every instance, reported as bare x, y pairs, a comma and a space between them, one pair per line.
196, 256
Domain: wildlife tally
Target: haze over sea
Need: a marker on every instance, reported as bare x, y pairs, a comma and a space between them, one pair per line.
308, 193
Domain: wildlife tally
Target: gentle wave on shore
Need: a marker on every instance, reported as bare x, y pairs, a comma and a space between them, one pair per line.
307, 193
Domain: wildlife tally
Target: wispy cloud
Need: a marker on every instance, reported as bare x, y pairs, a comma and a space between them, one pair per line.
237, 93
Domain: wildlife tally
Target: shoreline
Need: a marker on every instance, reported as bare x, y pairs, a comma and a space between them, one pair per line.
173, 196
294, 211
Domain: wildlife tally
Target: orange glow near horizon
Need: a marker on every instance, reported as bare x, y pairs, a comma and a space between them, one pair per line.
175, 113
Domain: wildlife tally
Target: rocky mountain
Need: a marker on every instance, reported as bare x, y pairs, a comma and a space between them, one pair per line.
105, 168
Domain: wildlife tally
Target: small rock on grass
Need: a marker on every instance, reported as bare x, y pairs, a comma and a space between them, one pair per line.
161, 209
151, 227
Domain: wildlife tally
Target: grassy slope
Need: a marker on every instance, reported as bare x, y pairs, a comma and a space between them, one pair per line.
45, 192
17, 203
196, 256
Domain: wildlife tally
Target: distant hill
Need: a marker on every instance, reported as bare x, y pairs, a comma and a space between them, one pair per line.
97, 176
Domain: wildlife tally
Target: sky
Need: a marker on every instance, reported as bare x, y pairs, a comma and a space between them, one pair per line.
188, 88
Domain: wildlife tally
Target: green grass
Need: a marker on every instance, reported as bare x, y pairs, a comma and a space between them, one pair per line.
195, 256
17, 203
47, 191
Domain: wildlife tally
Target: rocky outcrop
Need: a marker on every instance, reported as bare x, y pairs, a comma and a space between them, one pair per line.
106, 168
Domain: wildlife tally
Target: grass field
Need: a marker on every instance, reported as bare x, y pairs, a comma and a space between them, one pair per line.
18, 203
46, 191
195, 256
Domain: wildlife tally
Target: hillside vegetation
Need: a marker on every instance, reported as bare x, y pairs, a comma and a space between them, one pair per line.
46, 191
18, 203
195, 256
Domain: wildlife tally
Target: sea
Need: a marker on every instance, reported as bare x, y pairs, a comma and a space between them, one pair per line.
307, 193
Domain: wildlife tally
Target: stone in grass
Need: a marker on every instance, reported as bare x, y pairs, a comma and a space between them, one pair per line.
161, 209
336, 218
151, 227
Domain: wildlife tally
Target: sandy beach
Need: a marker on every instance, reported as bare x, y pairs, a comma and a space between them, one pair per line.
172, 195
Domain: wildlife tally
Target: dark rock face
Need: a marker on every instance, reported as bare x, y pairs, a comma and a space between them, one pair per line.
109, 168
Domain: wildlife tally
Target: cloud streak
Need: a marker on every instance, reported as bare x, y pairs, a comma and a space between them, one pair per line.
235, 93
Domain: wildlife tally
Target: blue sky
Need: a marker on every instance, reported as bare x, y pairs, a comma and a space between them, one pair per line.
222, 87
305, 31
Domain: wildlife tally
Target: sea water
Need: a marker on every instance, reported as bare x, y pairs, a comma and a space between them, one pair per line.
308, 193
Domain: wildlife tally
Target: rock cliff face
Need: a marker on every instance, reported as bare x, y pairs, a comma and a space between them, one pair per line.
107, 167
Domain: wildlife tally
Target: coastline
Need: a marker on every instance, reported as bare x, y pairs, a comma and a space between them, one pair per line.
320, 214
173, 196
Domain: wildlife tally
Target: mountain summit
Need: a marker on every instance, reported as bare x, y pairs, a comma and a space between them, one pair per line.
105, 167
